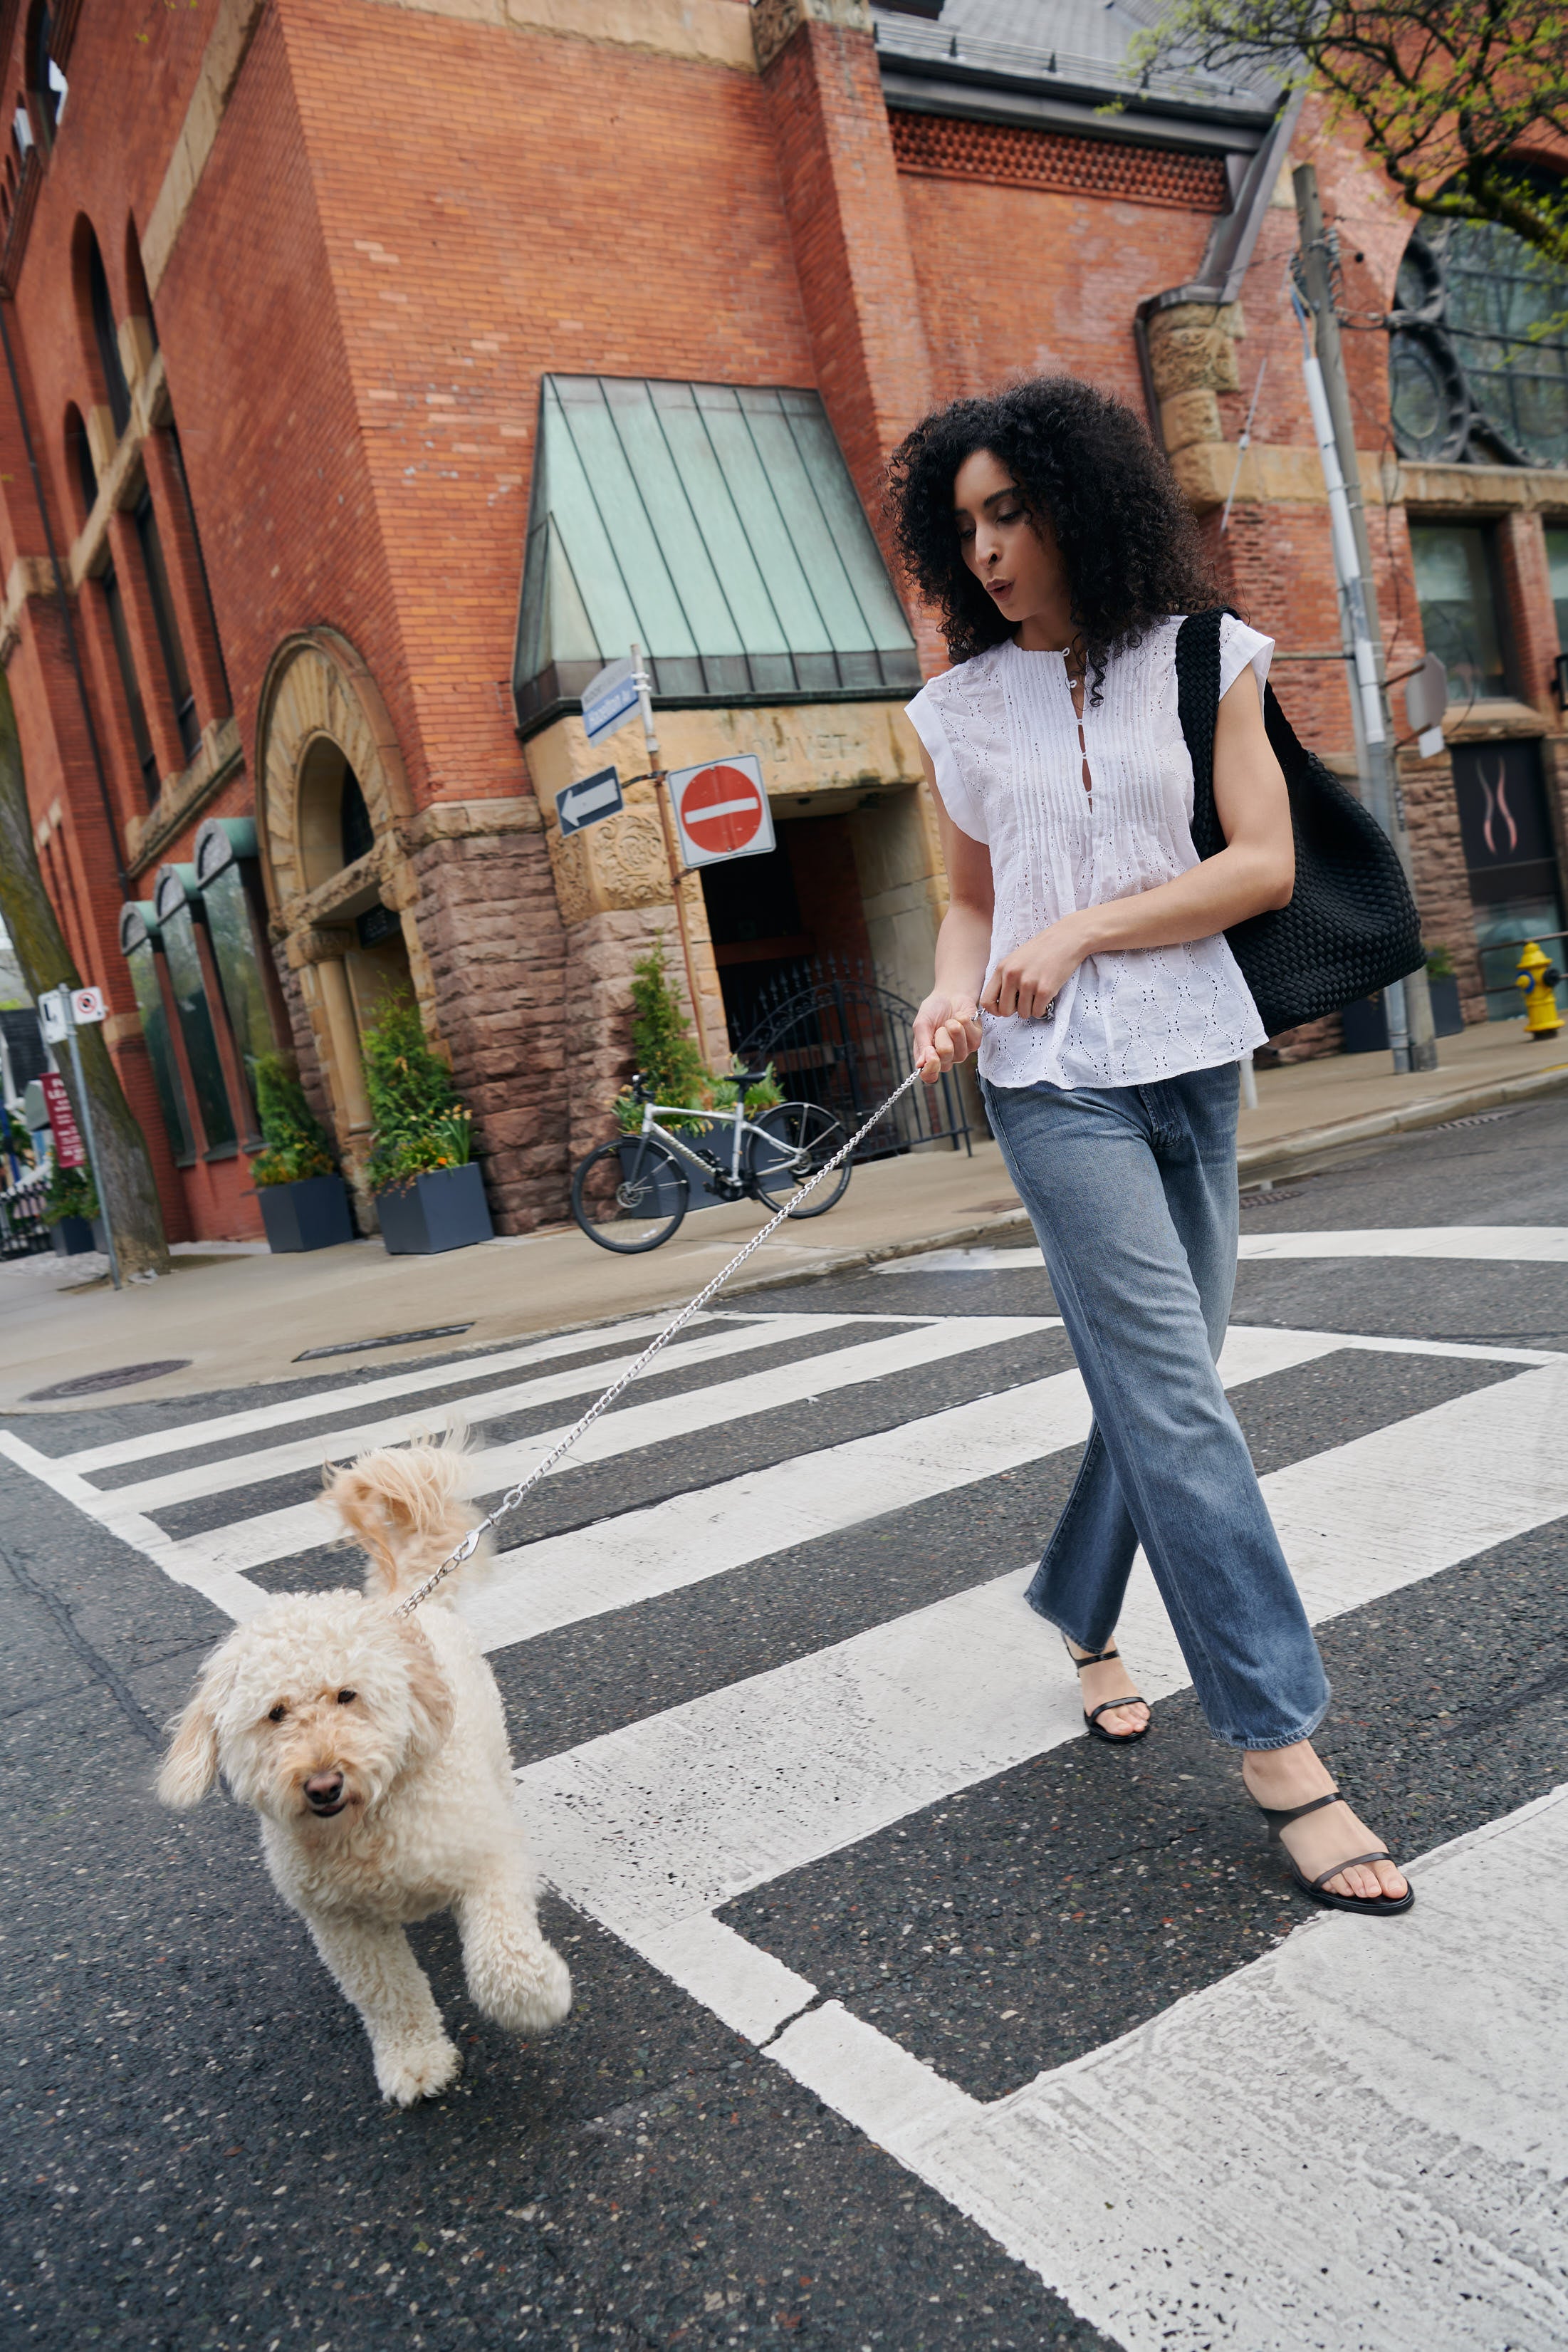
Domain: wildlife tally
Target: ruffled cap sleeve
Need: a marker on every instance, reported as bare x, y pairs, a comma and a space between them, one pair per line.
925, 716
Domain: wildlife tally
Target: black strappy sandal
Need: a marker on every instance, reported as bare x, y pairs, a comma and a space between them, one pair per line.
1374, 1907
1109, 1706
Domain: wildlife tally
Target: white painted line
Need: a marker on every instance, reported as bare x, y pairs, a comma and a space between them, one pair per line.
1415, 2077
424, 1380
618, 1562
1512, 1245
682, 1812
235, 1470
751, 1991
185, 1563
273, 1535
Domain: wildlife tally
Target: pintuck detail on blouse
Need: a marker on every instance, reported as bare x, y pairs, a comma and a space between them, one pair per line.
1002, 736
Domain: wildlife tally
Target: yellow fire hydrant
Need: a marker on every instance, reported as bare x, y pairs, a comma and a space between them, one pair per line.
1538, 977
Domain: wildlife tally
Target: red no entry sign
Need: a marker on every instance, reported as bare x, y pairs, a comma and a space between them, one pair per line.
722, 810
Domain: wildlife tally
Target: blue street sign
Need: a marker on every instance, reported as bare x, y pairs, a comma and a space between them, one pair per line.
590, 801
610, 699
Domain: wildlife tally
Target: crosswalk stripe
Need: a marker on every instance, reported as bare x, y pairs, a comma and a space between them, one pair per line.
274, 1535
617, 1562
1520, 1244
422, 1381
225, 1589
237, 1470
1394, 2065
681, 1811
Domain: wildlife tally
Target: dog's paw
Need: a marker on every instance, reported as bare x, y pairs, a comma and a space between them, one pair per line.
419, 2069
536, 1995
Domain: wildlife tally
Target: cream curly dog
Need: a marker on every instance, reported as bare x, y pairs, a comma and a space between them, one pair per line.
375, 1749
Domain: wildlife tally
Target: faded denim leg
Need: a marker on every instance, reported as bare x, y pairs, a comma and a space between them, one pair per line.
1131, 1193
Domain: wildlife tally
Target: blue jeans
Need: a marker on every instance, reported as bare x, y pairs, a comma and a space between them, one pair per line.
1131, 1192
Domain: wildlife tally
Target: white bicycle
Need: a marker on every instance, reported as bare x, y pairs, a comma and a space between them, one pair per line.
631, 1194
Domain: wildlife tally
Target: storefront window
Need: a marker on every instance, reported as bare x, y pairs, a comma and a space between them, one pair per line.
1557, 564
232, 927
179, 937
137, 932
1459, 608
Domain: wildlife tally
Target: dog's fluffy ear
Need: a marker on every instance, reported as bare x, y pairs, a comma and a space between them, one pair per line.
191, 1766
429, 1693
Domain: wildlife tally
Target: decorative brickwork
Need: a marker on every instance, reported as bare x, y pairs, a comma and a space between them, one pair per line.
943, 147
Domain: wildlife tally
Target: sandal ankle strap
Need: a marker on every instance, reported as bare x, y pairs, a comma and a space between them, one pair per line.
1280, 1817
1092, 1658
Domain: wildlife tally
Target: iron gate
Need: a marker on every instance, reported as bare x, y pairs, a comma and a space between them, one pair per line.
838, 1038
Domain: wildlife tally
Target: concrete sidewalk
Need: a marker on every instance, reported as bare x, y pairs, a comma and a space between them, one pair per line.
238, 1315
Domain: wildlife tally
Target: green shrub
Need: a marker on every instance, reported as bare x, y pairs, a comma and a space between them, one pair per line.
1439, 964
295, 1144
673, 1070
420, 1124
70, 1193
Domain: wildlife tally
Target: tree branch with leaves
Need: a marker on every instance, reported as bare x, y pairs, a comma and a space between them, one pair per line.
1463, 102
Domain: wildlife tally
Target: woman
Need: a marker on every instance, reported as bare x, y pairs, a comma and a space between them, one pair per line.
1082, 954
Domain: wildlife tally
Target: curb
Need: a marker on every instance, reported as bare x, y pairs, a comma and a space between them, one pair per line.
1289, 1154
1283, 1155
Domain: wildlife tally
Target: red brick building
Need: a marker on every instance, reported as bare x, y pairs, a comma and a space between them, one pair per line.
324, 315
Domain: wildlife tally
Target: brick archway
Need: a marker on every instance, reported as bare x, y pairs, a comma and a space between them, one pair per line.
322, 718
317, 688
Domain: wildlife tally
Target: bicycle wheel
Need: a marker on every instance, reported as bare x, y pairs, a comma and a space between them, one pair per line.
630, 1195
800, 1137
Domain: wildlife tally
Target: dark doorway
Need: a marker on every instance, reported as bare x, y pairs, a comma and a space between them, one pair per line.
767, 915
1511, 860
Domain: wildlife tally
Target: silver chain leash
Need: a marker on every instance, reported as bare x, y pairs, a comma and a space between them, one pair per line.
514, 1494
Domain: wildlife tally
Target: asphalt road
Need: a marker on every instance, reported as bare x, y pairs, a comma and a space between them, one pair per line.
191, 2154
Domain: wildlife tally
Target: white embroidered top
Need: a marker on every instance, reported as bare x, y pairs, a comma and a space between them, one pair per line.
1003, 738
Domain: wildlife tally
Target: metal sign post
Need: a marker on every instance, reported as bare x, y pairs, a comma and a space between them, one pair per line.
61, 1012
1408, 1000
678, 870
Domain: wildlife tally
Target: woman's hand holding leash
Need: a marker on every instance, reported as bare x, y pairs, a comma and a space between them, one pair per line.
947, 1029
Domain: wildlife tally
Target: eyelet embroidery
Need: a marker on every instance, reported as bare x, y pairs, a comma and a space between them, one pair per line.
1061, 839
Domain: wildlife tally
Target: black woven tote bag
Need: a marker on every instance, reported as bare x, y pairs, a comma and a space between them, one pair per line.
1352, 925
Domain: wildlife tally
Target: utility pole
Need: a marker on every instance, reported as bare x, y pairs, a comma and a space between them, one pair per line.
1408, 1000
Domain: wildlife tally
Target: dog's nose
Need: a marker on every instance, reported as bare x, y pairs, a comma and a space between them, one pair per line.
323, 1788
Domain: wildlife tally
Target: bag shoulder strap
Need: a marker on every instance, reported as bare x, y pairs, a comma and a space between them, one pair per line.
1198, 708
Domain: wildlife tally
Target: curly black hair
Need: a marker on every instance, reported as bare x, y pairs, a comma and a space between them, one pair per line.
1080, 459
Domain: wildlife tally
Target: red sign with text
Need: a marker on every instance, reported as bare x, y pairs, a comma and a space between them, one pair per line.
70, 1151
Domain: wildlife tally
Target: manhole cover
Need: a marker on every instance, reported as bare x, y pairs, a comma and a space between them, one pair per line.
89, 1383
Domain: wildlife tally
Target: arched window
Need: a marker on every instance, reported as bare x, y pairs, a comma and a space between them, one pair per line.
45, 82
78, 457
116, 390
136, 282
1478, 357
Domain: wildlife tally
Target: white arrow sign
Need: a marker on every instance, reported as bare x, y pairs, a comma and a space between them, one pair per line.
590, 801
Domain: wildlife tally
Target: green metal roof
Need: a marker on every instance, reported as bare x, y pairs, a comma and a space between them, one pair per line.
716, 526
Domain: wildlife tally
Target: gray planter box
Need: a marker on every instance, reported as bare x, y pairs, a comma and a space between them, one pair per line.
1366, 1018
73, 1237
444, 1208
310, 1216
